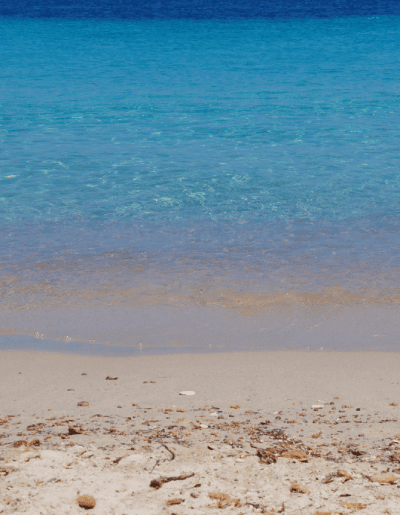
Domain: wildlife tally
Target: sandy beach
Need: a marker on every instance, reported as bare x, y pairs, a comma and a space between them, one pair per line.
271, 432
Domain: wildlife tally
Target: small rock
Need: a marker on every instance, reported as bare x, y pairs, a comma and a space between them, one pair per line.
317, 406
235, 407
187, 393
83, 403
86, 501
34, 443
84, 374
109, 378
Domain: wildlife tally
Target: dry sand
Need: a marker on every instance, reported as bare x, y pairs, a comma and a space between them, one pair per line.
249, 440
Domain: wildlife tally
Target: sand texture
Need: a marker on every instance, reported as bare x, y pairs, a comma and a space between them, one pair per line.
285, 432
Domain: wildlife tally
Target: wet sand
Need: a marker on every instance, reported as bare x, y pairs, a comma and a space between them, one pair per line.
271, 432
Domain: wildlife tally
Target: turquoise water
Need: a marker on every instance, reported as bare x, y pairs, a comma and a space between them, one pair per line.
262, 154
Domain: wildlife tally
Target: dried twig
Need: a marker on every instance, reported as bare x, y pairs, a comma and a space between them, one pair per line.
155, 465
157, 483
169, 450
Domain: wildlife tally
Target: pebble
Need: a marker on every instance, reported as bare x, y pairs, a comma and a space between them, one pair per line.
83, 403
187, 393
86, 501
317, 406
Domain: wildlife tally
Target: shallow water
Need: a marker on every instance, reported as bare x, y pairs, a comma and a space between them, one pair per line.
150, 164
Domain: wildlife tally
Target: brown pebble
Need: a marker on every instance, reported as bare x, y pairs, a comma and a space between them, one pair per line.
86, 501
109, 378
83, 403
34, 443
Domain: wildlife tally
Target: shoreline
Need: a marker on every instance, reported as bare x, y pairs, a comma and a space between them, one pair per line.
182, 328
303, 432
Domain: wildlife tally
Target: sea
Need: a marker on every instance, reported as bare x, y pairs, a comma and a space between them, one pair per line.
199, 176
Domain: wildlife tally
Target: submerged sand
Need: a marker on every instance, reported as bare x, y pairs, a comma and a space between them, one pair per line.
271, 432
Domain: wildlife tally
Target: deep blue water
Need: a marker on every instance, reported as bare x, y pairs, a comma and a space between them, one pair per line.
197, 9
238, 140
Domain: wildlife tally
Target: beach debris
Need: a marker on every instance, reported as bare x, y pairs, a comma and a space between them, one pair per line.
70, 390
224, 500
270, 455
19, 443
317, 406
187, 393
393, 404
180, 410
86, 501
384, 479
84, 374
338, 473
169, 450
110, 378
353, 505
235, 407
34, 443
298, 489
316, 435
157, 483
3, 472
171, 502
83, 403
74, 431
117, 460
